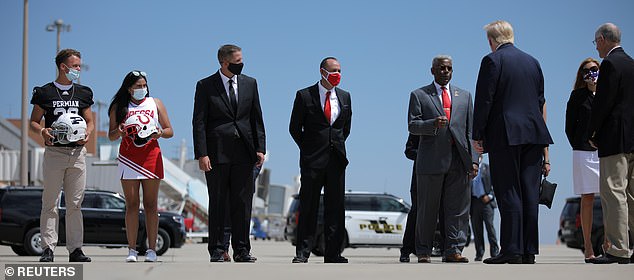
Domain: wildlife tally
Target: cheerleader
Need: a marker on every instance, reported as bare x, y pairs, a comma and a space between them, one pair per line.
139, 120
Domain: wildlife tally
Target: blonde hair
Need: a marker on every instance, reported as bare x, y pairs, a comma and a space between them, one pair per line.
500, 32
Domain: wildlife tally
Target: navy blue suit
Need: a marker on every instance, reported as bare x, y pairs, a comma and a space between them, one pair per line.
508, 119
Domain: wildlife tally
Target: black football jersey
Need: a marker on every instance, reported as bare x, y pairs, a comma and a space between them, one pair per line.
55, 102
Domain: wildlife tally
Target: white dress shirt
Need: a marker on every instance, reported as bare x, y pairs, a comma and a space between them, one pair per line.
334, 102
439, 91
225, 82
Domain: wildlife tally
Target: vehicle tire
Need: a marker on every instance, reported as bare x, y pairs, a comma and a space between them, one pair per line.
163, 242
320, 247
32, 242
19, 250
345, 244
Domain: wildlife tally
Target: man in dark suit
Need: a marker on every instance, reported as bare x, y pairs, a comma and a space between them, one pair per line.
509, 124
612, 130
441, 115
482, 211
228, 140
409, 247
320, 124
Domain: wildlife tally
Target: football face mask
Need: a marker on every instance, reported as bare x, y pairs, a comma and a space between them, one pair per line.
68, 128
140, 129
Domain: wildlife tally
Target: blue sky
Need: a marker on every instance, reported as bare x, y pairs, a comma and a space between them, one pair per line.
385, 49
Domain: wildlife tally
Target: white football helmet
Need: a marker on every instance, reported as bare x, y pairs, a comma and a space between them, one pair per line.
68, 128
140, 129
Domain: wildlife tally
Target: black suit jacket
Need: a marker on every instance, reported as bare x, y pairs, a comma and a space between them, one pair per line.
509, 100
612, 121
311, 131
411, 146
215, 123
578, 112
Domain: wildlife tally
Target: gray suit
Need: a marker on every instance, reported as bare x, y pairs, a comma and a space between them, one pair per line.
443, 163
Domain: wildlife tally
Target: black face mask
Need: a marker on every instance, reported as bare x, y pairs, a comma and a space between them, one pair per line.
234, 68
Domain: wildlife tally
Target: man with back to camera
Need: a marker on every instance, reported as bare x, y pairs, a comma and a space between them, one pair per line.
229, 139
441, 114
612, 130
320, 124
509, 123
64, 164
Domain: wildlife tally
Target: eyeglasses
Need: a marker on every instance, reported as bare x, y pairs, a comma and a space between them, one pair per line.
593, 68
588, 70
594, 42
139, 73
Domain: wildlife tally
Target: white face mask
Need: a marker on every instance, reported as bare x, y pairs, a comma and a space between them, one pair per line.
73, 74
139, 94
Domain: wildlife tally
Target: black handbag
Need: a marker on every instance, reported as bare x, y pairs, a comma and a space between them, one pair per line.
547, 193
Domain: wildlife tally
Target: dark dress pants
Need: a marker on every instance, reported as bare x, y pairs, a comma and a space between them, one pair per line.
227, 234
410, 226
231, 183
332, 179
482, 213
452, 192
516, 175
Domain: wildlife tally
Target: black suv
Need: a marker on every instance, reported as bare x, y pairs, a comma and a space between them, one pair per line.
570, 231
104, 222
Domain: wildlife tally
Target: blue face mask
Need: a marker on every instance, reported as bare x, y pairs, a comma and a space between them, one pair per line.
72, 74
139, 94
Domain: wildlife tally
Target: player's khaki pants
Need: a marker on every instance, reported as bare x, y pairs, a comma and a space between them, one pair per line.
616, 174
63, 166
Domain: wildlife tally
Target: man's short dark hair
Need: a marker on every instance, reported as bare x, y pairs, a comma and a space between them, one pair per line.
225, 52
64, 54
323, 62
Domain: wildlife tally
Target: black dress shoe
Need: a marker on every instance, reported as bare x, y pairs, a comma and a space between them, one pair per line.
245, 258
78, 256
217, 256
47, 255
528, 259
300, 259
610, 259
502, 259
478, 259
632, 259
337, 259
404, 257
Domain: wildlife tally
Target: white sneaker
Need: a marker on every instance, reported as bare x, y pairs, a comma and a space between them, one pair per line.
132, 255
150, 255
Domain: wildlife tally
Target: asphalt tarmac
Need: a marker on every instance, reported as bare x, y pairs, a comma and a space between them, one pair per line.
274, 262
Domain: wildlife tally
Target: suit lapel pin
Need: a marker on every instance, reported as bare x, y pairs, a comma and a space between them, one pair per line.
455, 93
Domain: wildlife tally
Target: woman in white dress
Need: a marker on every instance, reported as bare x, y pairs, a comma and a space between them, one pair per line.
585, 160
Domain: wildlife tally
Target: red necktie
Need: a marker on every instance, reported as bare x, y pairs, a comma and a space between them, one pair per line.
446, 103
327, 107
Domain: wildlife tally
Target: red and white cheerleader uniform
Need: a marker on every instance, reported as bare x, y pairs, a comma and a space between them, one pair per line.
139, 163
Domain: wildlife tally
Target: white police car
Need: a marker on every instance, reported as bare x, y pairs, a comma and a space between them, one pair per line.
372, 220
